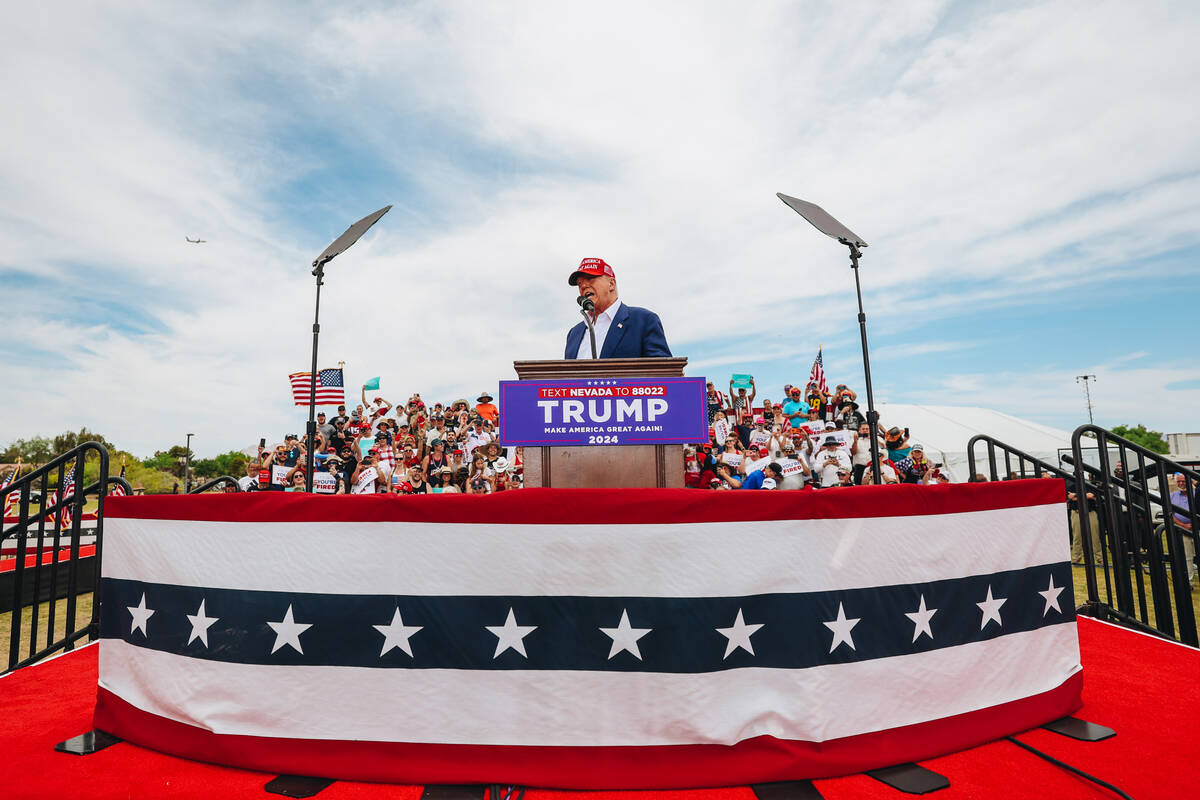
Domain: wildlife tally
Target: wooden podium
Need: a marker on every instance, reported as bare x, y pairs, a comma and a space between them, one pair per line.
604, 466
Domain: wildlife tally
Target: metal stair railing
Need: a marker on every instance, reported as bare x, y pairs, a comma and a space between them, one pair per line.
1127, 498
38, 586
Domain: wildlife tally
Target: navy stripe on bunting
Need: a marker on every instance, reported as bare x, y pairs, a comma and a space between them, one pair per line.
624, 634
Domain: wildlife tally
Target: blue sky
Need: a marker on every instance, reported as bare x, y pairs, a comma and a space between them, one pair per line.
1032, 200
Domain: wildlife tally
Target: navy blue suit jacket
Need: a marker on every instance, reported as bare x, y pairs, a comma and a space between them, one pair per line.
635, 333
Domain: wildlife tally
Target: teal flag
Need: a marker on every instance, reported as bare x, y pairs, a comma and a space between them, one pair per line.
372, 384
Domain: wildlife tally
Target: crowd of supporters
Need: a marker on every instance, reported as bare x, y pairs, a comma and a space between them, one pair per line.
378, 448
813, 438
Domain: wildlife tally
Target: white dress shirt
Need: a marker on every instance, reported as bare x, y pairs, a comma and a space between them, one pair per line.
602, 324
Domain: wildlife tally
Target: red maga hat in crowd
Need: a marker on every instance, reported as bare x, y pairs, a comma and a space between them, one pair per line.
594, 267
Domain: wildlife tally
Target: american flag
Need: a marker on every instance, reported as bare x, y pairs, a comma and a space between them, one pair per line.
330, 389
10, 499
444, 658
68, 490
817, 375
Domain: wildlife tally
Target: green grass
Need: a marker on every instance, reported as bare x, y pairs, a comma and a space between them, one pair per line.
1102, 590
83, 615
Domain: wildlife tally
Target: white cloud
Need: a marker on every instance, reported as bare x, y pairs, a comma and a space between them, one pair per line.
1054, 397
982, 145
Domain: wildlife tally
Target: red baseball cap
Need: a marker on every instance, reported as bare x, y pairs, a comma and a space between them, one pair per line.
594, 267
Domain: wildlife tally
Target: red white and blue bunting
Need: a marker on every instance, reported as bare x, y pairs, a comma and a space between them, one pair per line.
587, 638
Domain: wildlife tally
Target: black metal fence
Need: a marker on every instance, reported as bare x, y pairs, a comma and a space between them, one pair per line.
1146, 515
228, 484
47, 555
1134, 540
1016, 464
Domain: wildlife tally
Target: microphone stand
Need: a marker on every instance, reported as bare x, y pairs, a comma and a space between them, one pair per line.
588, 305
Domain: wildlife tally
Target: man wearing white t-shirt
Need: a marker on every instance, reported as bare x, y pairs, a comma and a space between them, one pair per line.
438, 431
476, 437
795, 468
829, 460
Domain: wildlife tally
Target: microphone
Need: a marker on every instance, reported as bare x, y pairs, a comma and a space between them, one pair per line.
586, 304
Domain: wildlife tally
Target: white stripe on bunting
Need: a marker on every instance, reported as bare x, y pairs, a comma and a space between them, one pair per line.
650, 560
588, 708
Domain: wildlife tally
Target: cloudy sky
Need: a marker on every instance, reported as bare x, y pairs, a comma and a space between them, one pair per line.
1027, 176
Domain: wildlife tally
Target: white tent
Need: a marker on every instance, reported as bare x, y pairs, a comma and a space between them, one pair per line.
945, 431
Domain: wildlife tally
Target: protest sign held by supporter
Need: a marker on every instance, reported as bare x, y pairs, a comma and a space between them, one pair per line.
720, 429
843, 438
812, 427
791, 467
760, 435
366, 481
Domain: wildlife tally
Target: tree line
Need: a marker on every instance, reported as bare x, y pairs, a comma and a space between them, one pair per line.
158, 473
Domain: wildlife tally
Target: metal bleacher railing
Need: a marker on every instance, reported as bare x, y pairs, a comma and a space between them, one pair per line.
1137, 557
48, 555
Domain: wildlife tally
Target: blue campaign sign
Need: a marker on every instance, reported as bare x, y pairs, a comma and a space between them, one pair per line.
603, 411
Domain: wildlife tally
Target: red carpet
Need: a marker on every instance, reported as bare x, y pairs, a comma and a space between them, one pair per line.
1146, 689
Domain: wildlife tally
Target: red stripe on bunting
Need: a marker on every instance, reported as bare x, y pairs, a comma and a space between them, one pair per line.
596, 506
758, 760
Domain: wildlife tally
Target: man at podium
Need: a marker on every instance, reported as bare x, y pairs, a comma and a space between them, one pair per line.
621, 331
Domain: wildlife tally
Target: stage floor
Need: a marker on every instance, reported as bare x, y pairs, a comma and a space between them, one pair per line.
1147, 689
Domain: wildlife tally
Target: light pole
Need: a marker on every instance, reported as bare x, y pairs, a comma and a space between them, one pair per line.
187, 464
821, 219
340, 244
1088, 392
